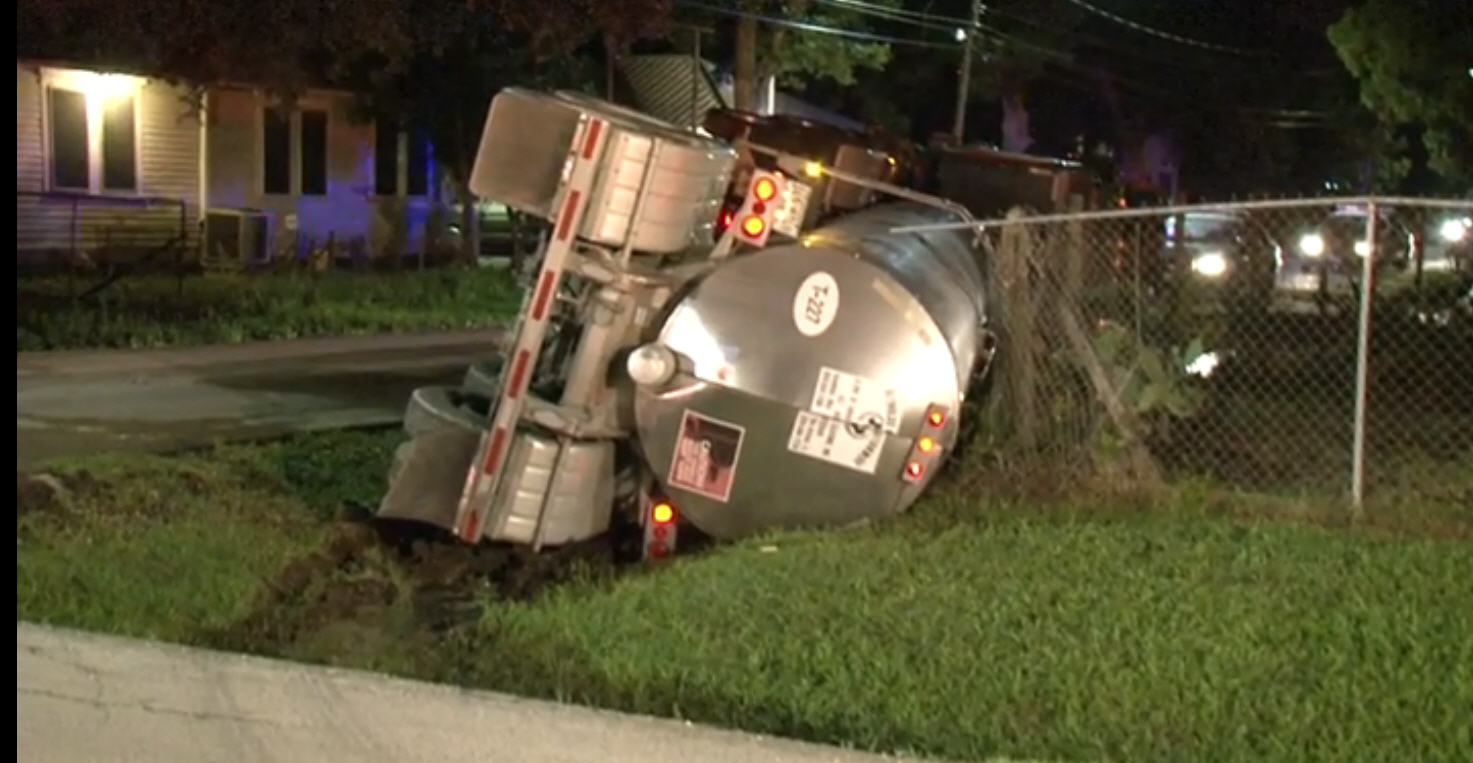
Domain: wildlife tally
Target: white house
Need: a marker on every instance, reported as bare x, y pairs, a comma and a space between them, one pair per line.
110, 159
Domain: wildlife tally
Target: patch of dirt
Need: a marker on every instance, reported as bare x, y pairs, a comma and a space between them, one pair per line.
52, 493
395, 578
39, 492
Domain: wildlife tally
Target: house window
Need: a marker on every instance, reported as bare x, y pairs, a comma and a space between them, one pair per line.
386, 158
276, 151
93, 140
69, 165
278, 129
119, 146
417, 180
395, 151
314, 153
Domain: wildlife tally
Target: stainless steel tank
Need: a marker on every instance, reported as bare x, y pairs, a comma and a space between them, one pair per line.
680, 177
809, 372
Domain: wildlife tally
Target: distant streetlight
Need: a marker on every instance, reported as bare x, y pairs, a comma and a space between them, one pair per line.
961, 36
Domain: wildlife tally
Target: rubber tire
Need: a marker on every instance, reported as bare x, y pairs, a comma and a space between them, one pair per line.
434, 408
484, 378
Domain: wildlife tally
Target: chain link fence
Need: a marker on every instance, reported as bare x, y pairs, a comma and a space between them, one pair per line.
1237, 344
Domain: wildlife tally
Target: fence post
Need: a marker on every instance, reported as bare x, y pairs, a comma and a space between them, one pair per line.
1015, 254
1362, 362
1139, 233
1075, 263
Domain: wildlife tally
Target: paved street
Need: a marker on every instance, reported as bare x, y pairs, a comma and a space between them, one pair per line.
85, 697
87, 401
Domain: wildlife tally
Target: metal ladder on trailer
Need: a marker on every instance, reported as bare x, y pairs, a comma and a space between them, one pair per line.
485, 475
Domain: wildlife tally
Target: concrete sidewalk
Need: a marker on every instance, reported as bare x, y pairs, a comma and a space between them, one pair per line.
76, 402
219, 356
84, 697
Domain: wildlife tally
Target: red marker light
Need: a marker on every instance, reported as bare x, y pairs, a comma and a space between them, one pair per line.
753, 226
726, 218
936, 418
765, 189
914, 470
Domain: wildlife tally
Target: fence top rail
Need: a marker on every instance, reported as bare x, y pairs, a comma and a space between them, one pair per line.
102, 198
1111, 214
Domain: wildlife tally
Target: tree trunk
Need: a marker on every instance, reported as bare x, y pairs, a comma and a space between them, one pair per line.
470, 218
744, 85
518, 252
470, 224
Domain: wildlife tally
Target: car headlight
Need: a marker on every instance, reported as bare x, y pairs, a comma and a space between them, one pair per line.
1210, 264
1312, 244
1453, 231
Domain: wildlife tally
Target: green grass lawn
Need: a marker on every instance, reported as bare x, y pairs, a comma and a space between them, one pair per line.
150, 311
970, 628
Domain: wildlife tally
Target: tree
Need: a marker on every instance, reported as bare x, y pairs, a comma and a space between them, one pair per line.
1016, 45
1411, 60
459, 54
435, 64
283, 45
796, 56
1014, 55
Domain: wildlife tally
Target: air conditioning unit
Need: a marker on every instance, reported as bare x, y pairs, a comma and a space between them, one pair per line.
235, 235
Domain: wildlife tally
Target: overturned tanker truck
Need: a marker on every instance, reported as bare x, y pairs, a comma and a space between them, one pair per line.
679, 364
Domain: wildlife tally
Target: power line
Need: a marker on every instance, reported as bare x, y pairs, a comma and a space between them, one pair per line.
986, 32
1152, 31
1306, 117
818, 28
932, 19
1108, 46
1074, 82
951, 24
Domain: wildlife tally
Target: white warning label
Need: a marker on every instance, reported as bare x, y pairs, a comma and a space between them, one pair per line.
856, 400
847, 445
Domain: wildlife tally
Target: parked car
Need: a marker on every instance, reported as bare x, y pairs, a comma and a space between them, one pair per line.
1219, 254
1447, 243
502, 230
1324, 268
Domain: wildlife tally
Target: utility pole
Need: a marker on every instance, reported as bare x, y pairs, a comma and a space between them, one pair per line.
744, 81
964, 36
697, 71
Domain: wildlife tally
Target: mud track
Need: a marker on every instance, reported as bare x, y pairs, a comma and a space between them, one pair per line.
386, 579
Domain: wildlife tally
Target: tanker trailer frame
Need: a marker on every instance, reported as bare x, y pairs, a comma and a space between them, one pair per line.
631, 387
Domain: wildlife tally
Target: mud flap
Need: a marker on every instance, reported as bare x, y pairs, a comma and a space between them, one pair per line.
427, 477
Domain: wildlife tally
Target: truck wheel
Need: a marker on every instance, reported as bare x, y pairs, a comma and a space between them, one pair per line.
484, 378
434, 408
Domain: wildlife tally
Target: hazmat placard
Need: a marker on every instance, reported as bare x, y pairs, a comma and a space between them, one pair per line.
853, 399
706, 455
843, 444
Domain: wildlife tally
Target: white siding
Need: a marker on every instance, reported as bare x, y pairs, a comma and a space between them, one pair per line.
30, 168
349, 213
167, 141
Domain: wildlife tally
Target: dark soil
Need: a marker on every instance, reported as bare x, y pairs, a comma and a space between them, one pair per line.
397, 579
